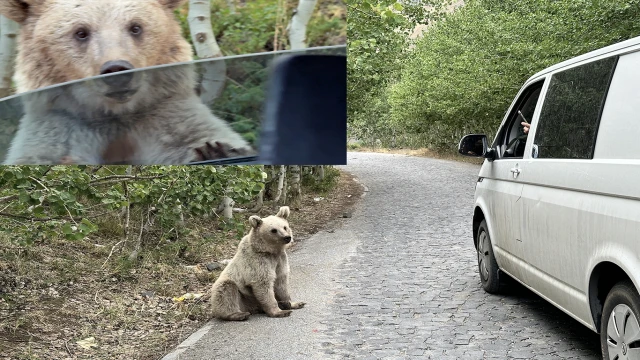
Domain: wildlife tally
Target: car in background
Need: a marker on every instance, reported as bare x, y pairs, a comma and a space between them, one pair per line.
558, 208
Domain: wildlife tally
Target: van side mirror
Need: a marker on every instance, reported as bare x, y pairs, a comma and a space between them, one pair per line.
476, 145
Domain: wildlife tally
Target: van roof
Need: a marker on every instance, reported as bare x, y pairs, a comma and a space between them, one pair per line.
607, 49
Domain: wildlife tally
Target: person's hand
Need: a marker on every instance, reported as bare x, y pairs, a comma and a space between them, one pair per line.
526, 126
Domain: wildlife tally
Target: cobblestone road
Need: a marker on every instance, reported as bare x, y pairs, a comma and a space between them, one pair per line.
399, 281
413, 290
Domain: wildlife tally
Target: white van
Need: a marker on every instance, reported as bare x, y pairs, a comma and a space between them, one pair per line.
558, 209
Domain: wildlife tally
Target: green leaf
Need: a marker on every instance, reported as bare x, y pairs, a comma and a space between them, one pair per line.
66, 229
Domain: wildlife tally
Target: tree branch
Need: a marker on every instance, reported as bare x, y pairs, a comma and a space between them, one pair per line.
118, 178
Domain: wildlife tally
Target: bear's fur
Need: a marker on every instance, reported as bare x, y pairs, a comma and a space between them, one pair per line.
257, 278
152, 117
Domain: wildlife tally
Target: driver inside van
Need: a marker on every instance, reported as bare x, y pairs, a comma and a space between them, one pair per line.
525, 129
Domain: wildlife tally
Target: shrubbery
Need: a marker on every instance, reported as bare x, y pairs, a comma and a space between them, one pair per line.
40, 202
463, 74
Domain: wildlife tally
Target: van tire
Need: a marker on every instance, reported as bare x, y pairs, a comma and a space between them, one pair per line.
487, 266
624, 296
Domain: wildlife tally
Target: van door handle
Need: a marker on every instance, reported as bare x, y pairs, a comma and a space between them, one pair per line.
515, 171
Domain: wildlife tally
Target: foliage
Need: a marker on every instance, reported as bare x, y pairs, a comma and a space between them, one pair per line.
378, 33
464, 73
310, 179
41, 201
241, 102
252, 28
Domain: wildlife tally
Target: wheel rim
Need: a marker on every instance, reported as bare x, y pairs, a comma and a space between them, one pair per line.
623, 334
483, 255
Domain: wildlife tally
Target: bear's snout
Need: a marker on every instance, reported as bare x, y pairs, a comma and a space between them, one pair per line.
287, 239
117, 82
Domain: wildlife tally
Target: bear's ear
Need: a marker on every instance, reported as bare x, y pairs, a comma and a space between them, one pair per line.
172, 4
283, 212
18, 10
255, 221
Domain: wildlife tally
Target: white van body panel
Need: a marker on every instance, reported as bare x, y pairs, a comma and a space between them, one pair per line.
572, 214
619, 133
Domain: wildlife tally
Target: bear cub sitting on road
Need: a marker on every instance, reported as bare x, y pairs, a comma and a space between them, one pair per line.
257, 278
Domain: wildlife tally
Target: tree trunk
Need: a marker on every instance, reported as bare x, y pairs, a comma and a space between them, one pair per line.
214, 72
281, 184
133, 256
296, 194
298, 26
260, 200
272, 184
320, 172
227, 207
8, 39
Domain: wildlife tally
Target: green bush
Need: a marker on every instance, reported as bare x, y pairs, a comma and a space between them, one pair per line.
463, 74
41, 202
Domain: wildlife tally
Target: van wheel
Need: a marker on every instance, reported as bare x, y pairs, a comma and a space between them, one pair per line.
619, 329
487, 265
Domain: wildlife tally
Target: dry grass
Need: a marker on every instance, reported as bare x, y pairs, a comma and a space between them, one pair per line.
424, 152
56, 293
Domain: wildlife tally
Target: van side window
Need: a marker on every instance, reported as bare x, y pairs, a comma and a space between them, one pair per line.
568, 122
513, 139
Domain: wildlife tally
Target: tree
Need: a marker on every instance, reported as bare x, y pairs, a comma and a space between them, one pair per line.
295, 197
281, 187
8, 39
378, 32
466, 70
298, 25
260, 199
214, 72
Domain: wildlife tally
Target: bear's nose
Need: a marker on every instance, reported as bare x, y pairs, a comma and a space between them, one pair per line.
287, 239
117, 81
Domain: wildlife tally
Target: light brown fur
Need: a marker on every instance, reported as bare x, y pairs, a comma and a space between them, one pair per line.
162, 120
257, 278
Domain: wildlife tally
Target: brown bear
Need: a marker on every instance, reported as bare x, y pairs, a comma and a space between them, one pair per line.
149, 117
257, 278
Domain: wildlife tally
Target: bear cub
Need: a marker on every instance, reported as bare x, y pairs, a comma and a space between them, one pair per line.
257, 278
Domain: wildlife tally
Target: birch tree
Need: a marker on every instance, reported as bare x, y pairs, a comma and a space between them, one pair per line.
319, 171
285, 191
298, 25
8, 39
281, 184
226, 207
260, 199
295, 198
206, 46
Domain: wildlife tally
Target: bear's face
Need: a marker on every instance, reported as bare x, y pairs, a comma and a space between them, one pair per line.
273, 230
64, 40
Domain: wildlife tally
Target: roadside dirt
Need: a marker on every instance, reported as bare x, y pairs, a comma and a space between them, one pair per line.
421, 153
63, 300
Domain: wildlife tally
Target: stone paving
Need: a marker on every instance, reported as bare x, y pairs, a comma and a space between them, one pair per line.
399, 281
412, 289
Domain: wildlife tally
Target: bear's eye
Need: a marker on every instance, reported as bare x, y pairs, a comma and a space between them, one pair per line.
135, 29
285, 228
274, 231
82, 34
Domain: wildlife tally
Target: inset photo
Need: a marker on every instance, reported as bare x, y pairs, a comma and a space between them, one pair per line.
155, 84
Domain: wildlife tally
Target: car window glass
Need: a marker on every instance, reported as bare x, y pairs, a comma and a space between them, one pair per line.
167, 98
571, 111
514, 138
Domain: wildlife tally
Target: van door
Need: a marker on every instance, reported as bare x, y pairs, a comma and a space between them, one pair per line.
556, 174
501, 184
